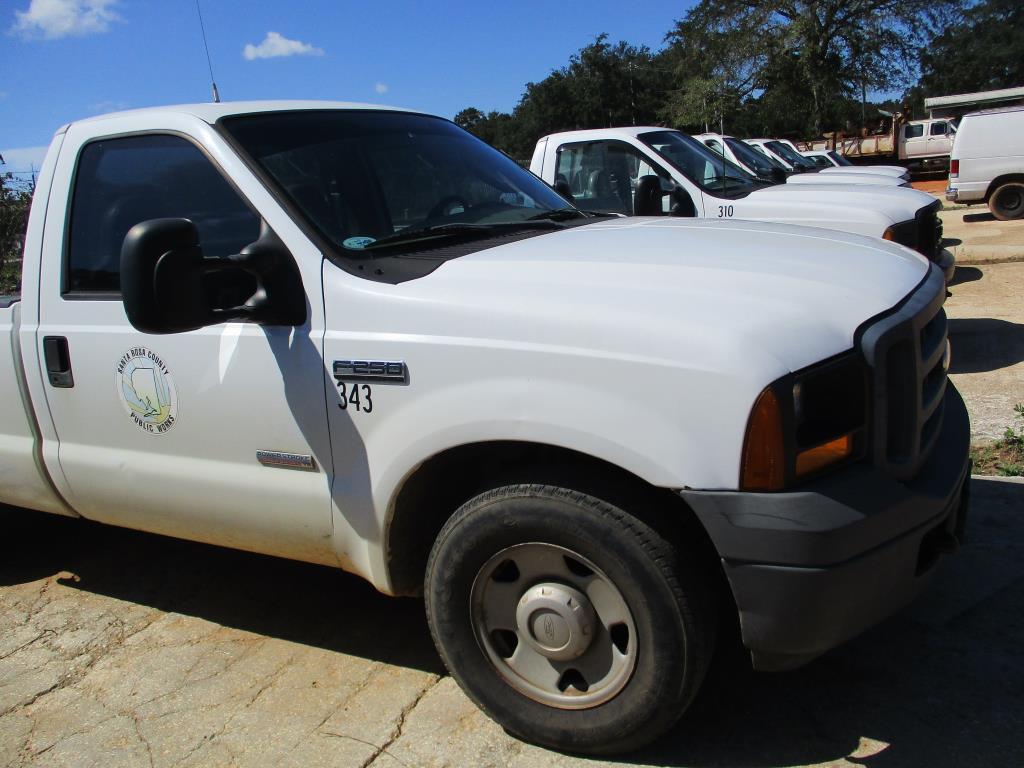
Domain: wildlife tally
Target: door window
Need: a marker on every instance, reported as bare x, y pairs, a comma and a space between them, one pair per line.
938, 129
603, 174
913, 131
124, 181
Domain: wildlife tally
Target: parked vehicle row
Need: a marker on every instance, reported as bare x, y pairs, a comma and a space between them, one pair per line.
648, 171
361, 337
776, 162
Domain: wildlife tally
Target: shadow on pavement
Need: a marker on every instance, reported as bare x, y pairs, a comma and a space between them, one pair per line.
302, 603
985, 344
970, 218
940, 684
965, 275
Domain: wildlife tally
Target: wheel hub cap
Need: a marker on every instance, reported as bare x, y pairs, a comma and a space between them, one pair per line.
557, 620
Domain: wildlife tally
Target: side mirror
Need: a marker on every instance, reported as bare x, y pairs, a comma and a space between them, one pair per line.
779, 175
561, 186
168, 286
647, 198
682, 203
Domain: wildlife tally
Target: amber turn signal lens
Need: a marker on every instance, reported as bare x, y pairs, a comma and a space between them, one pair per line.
821, 456
764, 457
887, 235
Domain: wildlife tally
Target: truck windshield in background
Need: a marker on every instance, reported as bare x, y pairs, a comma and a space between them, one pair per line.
760, 163
705, 168
365, 176
842, 161
790, 156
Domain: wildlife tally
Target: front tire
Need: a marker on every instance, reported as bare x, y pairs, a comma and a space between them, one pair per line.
568, 620
1007, 202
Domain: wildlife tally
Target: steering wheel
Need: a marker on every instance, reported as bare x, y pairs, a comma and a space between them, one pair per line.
446, 205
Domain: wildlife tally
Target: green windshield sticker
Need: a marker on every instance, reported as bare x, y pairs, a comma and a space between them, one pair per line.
358, 242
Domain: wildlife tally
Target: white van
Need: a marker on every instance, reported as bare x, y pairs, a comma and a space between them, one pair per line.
987, 162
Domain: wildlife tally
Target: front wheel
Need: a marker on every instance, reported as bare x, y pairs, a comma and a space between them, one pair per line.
1007, 202
568, 620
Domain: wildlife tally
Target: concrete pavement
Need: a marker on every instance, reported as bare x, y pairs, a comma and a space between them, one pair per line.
120, 648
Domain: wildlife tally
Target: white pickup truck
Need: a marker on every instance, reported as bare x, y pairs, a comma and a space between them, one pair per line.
762, 166
361, 337
651, 171
831, 162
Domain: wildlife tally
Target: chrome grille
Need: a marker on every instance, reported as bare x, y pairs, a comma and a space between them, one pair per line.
905, 352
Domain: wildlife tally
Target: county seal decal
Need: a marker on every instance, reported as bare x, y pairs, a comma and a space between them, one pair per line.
146, 389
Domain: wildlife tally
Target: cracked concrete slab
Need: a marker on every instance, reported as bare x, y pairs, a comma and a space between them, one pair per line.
120, 648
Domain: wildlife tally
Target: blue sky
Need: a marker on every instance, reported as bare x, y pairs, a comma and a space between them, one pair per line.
65, 59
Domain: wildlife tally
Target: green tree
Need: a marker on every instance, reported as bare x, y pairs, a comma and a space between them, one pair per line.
15, 199
603, 85
803, 57
985, 51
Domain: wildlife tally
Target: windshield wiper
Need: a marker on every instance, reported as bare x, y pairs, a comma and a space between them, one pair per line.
726, 180
428, 233
559, 214
456, 229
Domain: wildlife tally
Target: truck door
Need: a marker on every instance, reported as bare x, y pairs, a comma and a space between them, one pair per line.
915, 142
217, 435
603, 174
940, 138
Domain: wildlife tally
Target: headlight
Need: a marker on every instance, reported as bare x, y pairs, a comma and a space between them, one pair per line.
805, 423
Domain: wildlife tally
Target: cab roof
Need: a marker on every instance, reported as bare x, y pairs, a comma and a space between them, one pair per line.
211, 112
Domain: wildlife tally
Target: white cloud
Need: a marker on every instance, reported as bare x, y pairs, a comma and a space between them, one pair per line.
54, 19
101, 107
22, 160
381, 88
275, 45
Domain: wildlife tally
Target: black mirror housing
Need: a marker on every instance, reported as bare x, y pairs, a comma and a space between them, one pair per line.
682, 203
168, 248
168, 286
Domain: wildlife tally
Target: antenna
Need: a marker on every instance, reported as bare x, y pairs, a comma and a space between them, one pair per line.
213, 82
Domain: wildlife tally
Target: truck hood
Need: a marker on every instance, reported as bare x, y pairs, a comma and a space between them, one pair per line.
897, 203
885, 170
736, 296
846, 179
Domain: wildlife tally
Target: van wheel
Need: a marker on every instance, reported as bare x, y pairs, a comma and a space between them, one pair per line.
569, 621
1007, 202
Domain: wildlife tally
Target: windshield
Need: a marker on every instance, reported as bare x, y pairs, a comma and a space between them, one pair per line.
762, 164
363, 176
838, 158
708, 170
790, 155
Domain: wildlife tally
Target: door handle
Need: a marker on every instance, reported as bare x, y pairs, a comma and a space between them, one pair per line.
58, 361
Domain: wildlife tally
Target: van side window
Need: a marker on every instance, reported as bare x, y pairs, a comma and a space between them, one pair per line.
913, 131
122, 182
938, 129
603, 174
